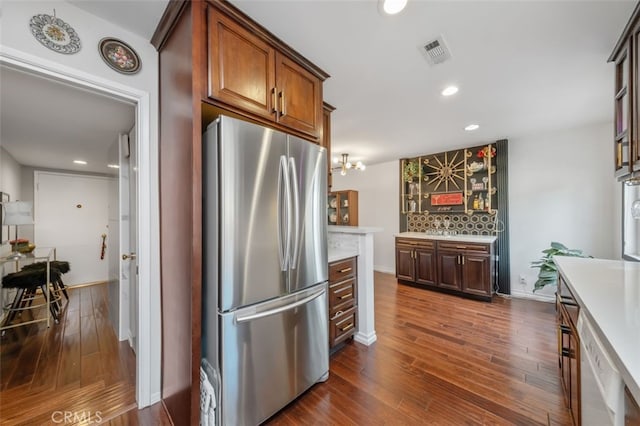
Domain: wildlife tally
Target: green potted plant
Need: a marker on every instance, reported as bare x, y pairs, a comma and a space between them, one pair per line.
411, 170
548, 274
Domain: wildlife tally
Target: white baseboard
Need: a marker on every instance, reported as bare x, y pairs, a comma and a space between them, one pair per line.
384, 269
365, 339
156, 397
532, 296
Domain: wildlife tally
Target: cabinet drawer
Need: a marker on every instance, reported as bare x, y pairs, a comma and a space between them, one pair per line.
567, 302
342, 296
472, 247
342, 327
411, 242
339, 271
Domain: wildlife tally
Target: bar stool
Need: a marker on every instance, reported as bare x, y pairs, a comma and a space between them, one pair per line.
26, 282
62, 266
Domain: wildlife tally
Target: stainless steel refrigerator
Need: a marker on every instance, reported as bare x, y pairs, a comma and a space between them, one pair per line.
265, 325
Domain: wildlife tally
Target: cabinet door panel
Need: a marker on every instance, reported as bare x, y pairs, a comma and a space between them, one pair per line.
574, 380
635, 98
425, 267
476, 277
241, 67
449, 270
404, 263
299, 97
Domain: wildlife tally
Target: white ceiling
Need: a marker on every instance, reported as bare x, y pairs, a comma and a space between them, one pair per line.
523, 67
46, 123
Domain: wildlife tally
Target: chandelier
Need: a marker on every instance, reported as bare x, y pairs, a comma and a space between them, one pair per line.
344, 164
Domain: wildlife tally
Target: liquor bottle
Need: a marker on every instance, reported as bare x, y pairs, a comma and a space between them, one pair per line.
481, 203
476, 202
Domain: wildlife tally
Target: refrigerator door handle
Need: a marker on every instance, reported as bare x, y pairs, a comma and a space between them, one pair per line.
293, 258
257, 315
284, 209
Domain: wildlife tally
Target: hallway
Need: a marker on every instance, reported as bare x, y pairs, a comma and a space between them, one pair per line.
76, 366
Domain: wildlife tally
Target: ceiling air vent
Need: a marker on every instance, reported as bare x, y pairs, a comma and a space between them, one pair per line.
437, 51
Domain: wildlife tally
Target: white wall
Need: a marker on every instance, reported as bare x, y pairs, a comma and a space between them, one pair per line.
10, 182
10, 177
27, 190
378, 195
561, 188
16, 41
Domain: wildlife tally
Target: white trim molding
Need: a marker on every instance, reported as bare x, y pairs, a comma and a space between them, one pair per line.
148, 332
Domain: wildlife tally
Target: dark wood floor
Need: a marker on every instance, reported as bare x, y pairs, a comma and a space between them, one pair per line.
76, 366
439, 360
442, 360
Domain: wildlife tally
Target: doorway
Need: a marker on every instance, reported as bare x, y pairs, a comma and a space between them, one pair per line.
145, 363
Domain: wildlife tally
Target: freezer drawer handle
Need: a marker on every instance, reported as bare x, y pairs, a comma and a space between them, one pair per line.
240, 319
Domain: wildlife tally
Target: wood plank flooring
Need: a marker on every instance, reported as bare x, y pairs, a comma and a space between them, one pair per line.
76, 366
442, 360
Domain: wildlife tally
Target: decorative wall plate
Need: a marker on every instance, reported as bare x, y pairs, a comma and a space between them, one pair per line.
54, 33
119, 56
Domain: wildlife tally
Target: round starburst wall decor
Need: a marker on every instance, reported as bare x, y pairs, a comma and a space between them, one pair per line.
446, 174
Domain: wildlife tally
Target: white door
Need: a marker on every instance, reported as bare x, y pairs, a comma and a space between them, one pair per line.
113, 249
71, 214
130, 262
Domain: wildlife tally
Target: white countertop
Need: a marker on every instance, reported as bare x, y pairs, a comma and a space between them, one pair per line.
354, 229
609, 292
461, 238
335, 254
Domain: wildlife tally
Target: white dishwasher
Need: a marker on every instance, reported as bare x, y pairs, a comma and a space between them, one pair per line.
601, 388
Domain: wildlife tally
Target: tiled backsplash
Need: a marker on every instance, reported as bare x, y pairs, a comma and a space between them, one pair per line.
462, 223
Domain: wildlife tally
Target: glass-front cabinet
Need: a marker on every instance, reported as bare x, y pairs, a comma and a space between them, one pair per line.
342, 208
626, 59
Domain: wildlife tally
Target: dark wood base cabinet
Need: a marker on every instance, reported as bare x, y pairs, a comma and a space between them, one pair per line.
569, 348
343, 301
460, 267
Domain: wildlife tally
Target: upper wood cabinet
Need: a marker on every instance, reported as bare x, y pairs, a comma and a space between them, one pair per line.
247, 72
241, 66
299, 96
626, 56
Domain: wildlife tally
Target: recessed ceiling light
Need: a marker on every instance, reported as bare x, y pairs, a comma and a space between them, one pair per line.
113, 166
471, 127
80, 162
391, 7
451, 90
